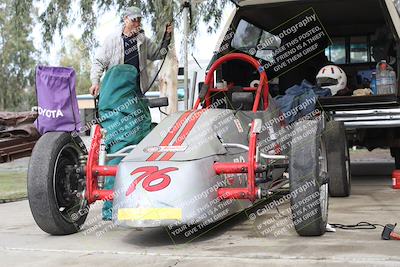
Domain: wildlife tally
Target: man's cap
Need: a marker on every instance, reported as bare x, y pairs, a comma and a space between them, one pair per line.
133, 12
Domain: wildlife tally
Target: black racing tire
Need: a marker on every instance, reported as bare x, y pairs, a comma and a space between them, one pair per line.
309, 196
338, 159
55, 211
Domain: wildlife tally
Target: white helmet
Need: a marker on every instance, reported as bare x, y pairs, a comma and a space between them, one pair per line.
332, 77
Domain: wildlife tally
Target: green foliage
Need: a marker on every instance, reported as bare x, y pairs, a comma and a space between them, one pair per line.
58, 15
75, 54
17, 55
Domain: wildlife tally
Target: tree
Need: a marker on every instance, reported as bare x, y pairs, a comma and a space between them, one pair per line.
75, 54
17, 55
58, 15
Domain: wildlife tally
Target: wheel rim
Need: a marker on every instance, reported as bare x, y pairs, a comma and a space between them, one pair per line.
65, 185
323, 190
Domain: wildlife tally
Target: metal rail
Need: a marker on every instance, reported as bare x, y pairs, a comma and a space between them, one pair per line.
373, 118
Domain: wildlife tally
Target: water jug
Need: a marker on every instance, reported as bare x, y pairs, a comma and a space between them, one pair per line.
385, 79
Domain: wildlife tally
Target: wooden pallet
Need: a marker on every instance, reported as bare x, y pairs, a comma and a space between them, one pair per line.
14, 148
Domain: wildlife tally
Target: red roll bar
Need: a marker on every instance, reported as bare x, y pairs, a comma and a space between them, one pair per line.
262, 89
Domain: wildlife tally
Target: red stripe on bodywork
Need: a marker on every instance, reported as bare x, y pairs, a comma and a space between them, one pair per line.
168, 138
185, 132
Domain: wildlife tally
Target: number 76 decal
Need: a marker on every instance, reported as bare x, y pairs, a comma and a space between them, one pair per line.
151, 174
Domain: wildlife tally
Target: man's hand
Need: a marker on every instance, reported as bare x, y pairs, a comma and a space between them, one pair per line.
94, 90
169, 28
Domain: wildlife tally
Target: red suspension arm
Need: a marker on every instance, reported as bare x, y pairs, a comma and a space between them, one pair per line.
250, 167
93, 170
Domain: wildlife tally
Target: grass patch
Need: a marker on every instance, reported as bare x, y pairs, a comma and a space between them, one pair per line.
12, 185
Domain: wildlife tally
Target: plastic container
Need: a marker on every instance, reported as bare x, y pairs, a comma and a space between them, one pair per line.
386, 82
396, 179
393, 80
373, 83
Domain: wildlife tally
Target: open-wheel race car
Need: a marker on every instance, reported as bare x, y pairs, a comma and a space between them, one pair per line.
195, 167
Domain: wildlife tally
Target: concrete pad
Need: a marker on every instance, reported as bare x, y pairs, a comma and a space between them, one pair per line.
261, 240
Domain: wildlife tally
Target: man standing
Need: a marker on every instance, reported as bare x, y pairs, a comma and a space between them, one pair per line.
128, 45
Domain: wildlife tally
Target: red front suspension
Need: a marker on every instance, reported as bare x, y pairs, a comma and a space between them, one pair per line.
93, 170
249, 192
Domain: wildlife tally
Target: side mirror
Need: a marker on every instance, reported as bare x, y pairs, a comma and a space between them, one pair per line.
242, 100
156, 102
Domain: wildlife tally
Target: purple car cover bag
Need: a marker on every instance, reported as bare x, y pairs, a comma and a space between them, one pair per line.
57, 102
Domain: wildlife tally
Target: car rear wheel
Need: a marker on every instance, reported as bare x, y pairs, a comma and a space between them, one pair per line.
308, 179
338, 159
54, 186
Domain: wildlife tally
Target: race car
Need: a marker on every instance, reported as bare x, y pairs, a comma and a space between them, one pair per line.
196, 167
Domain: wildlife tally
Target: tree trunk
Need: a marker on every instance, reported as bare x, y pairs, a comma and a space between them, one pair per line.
4, 100
168, 81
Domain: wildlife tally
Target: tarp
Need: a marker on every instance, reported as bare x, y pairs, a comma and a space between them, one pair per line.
298, 101
123, 114
18, 125
17, 118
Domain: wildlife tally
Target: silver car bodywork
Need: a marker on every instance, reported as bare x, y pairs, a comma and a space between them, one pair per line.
186, 193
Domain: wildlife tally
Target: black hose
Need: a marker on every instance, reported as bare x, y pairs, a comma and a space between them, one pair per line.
166, 48
358, 226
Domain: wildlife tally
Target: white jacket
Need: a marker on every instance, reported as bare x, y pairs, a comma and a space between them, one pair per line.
111, 53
